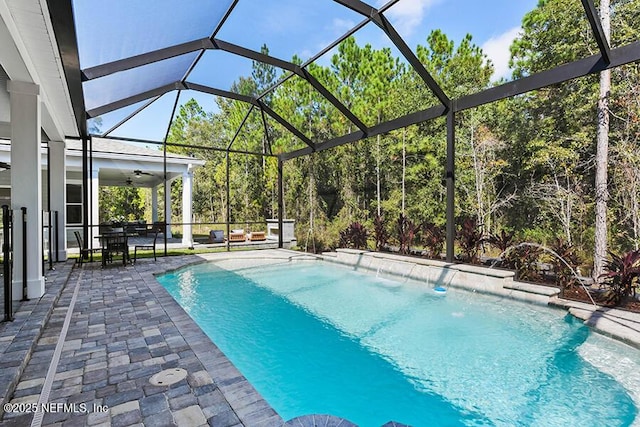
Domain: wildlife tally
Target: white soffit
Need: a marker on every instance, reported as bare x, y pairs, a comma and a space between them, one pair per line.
27, 22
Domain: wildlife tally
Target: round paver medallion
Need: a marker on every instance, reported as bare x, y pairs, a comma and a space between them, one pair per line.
168, 376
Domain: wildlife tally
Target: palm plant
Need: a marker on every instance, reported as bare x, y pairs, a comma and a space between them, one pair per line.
621, 276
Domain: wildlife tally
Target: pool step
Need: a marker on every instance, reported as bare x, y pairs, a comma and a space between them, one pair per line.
530, 288
317, 420
618, 324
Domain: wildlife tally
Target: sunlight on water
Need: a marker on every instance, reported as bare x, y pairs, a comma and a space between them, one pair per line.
322, 339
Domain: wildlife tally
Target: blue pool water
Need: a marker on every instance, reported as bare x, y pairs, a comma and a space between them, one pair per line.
314, 338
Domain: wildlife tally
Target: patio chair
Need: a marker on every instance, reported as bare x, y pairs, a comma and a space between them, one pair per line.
84, 253
256, 236
216, 236
116, 242
237, 236
146, 247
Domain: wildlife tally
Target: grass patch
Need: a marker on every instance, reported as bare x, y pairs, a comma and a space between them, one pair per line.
97, 257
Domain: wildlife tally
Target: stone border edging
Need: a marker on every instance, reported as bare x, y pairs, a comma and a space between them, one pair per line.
24, 332
248, 405
618, 324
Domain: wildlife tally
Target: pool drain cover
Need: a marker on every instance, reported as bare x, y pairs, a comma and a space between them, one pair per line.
168, 376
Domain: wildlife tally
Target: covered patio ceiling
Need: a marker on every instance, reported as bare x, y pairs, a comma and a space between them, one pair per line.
119, 164
122, 57
125, 165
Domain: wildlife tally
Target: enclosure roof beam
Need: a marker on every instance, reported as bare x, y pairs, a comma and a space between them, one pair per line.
129, 116
296, 69
593, 64
598, 32
304, 73
382, 22
252, 101
171, 117
399, 123
224, 19
219, 92
204, 44
244, 120
145, 58
266, 131
252, 54
582, 67
287, 125
103, 109
198, 147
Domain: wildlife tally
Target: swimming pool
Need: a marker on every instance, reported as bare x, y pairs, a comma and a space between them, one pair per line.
316, 338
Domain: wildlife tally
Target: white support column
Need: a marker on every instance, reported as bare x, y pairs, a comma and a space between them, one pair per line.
94, 193
154, 204
26, 186
57, 166
187, 229
167, 214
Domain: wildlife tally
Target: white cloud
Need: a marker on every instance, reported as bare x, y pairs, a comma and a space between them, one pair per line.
340, 26
497, 49
336, 29
407, 15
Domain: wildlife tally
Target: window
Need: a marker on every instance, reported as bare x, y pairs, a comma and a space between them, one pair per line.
74, 204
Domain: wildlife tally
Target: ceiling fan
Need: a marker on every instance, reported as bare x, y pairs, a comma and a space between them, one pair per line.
138, 173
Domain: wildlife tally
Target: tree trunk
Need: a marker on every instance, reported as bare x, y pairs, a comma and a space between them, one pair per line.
635, 213
602, 154
378, 174
404, 165
479, 181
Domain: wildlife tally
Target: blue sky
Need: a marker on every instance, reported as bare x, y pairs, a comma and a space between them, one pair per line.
288, 27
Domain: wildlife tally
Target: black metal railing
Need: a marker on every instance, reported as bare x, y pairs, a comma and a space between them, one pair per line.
56, 235
24, 253
7, 264
49, 238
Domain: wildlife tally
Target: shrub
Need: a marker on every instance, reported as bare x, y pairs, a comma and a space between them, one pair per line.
407, 231
502, 241
470, 237
354, 236
621, 277
524, 260
381, 234
433, 237
565, 275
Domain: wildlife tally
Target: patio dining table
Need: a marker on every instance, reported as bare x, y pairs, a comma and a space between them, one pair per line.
114, 242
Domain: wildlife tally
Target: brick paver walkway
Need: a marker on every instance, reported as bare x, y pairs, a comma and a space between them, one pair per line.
125, 328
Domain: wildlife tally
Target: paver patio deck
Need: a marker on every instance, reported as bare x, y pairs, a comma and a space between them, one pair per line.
125, 328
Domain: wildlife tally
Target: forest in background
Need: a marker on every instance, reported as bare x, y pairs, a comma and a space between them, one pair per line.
524, 165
